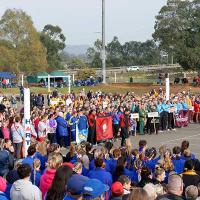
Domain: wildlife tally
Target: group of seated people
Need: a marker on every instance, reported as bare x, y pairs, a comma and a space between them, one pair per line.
102, 171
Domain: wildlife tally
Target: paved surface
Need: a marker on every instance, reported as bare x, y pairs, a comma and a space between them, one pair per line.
171, 139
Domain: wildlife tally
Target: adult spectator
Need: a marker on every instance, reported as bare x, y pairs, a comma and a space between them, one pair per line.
51, 128
151, 191
18, 134
92, 127
42, 128
95, 189
55, 160
11, 177
189, 176
174, 189
138, 194
23, 188
124, 125
61, 130
58, 188
191, 192
75, 187
6, 157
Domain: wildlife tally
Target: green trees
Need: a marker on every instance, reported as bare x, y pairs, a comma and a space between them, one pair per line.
130, 53
177, 31
54, 41
20, 46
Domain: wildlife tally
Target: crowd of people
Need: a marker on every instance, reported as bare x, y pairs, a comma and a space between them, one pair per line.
93, 170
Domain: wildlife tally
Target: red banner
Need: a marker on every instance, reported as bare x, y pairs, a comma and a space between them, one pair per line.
104, 128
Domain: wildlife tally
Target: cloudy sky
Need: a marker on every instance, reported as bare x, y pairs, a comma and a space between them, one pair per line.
80, 20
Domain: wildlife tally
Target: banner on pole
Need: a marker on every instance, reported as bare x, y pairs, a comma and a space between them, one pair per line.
27, 119
104, 128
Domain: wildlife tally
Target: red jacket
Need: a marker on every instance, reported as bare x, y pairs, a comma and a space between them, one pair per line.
46, 181
91, 120
123, 122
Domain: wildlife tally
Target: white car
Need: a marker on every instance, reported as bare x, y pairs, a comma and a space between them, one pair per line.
132, 68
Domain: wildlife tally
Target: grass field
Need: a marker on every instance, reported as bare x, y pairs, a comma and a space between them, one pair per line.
110, 88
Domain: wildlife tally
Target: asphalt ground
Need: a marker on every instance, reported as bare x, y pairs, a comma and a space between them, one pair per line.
168, 138
173, 138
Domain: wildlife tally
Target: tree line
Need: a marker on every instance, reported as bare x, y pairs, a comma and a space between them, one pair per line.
24, 49
176, 39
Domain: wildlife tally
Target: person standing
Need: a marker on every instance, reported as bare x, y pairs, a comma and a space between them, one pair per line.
18, 134
92, 127
23, 188
115, 120
124, 126
73, 123
142, 118
61, 130
42, 128
82, 126
51, 128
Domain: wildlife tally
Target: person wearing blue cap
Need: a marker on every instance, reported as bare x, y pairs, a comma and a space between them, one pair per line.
75, 187
94, 189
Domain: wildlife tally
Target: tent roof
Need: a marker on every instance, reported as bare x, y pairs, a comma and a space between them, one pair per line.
57, 73
42, 75
7, 75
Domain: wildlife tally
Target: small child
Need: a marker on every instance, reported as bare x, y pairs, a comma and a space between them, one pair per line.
35, 174
142, 146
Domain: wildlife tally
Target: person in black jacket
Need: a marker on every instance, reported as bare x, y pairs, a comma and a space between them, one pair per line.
189, 176
6, 156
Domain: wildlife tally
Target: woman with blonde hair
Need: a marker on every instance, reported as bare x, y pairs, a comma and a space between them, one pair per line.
138, 194
55, 160
35, 174
41, 153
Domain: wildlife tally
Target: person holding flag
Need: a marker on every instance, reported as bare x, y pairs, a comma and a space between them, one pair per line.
124, 126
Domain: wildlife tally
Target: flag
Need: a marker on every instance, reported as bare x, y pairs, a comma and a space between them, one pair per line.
81, 135
104, 128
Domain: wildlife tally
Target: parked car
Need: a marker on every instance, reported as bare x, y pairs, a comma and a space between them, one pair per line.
132, 68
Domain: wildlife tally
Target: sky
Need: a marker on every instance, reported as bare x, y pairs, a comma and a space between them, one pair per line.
80, 20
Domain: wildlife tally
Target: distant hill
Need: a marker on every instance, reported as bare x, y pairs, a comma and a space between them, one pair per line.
77, 49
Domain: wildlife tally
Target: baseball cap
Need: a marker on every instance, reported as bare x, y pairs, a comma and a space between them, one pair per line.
117, 189
93, 188
76, 183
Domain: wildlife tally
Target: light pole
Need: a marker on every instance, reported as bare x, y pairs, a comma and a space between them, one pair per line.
103, 53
